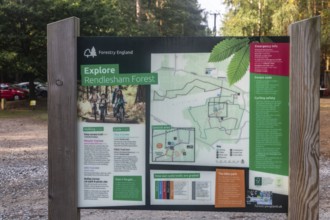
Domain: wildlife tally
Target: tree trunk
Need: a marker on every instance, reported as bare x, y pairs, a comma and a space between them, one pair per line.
138, 11
140, 94
260, 5
32, 90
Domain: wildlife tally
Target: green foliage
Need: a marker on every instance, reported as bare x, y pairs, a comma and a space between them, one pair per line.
272, 18
325, 31
286, 14
23, 53
248, 18
180, 18
239, 47
264, 39
226, 48
238, 65
22, 35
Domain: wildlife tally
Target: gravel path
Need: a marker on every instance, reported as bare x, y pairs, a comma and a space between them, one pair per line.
23, 180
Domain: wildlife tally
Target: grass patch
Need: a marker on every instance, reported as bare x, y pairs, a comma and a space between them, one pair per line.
40, 115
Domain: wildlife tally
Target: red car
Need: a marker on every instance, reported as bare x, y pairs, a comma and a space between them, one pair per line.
11, 93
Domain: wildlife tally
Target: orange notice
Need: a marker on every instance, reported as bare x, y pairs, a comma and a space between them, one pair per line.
230, 188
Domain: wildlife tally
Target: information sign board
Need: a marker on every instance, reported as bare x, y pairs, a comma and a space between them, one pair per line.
183, 123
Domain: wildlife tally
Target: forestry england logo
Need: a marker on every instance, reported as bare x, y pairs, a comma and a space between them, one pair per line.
90, 52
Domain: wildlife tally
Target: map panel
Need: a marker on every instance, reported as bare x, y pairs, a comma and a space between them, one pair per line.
173, 145
197, 118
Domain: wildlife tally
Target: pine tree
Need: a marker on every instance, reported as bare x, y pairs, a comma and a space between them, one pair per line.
93, 52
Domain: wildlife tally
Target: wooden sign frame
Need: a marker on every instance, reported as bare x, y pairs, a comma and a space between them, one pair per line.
304, 119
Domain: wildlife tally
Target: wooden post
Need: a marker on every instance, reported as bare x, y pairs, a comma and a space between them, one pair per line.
62, 119
304, 119
3, 101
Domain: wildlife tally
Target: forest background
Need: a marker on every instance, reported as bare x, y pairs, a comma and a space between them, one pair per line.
23, 37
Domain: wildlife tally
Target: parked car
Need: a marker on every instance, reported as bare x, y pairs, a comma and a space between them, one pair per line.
40, 88
8, 92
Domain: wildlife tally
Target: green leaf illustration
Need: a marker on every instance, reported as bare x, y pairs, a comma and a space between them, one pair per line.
265, 40
226, 48
238, 65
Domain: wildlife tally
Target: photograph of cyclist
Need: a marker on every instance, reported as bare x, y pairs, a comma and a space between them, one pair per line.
112, 104
119, 105
103, 107
93, 99
113, 99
